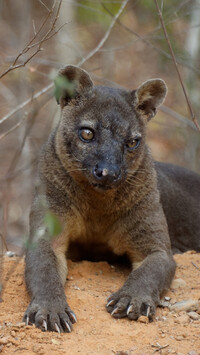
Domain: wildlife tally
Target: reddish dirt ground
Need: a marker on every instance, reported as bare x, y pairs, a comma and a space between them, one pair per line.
96, 332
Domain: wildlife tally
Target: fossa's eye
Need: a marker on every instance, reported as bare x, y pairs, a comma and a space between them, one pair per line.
86, 134
133, 144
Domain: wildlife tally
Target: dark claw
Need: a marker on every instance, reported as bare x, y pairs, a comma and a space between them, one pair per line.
148, 311
110, 303
129, 309
57, 328
68, 327
44, 325
115, 310
72, 317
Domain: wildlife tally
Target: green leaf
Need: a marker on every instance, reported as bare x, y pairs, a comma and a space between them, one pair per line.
62, 85
52, 223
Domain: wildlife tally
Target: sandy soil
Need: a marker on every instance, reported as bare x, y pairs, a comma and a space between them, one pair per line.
96, 332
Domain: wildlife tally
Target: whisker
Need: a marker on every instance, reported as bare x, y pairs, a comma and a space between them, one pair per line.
132, 180
78, 169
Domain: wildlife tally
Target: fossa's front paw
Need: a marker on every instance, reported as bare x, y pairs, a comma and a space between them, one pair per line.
50, 315
128, 303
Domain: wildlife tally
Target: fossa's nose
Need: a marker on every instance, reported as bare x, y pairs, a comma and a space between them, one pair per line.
106, 173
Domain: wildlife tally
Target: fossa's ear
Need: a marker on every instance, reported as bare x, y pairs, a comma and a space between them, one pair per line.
71, 82
149, 96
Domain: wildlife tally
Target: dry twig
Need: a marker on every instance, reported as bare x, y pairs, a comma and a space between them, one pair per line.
48, 90
167, 110
193, 117
104, 39
3, 241
177, 116
145, 39
195, 265
42, 101
38, 44
159, 347
29, 124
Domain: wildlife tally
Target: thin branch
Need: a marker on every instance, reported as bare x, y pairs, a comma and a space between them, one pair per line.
34, 29
41, 2
28, 127
159, 347
29, 124
151, 45
48, 90
21, 170
17, 125
197, 267
177, 116
162, 108
104, 39
42, 61
49, 34
193, 117
4, 241
25, 50
38, 105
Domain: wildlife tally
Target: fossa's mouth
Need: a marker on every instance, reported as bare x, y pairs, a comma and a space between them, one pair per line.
102, 187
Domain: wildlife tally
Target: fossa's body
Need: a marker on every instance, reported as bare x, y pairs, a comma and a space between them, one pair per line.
96, 174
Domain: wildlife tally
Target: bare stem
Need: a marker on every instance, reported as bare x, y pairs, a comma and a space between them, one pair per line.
105, 37
194, 119
49, 89
4, 241
49, 34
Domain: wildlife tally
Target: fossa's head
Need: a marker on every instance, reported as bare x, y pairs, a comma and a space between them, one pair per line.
101, 135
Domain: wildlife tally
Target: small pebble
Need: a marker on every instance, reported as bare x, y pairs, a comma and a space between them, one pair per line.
167, 298
196, 322
37, 348
3, 341
22, 335
195, 325
19, 282
15, 342
179, 337
193, 315
178, 283
187, 305
10, 253
165, 313
163, 304
8, 324
20, 325
192, 352
183, 319
143, 319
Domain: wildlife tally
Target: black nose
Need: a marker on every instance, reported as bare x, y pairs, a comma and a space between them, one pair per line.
106, 173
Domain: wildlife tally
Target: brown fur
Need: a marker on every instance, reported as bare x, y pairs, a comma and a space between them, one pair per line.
106, 194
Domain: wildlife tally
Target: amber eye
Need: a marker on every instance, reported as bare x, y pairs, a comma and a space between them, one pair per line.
86, 134
133, 144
